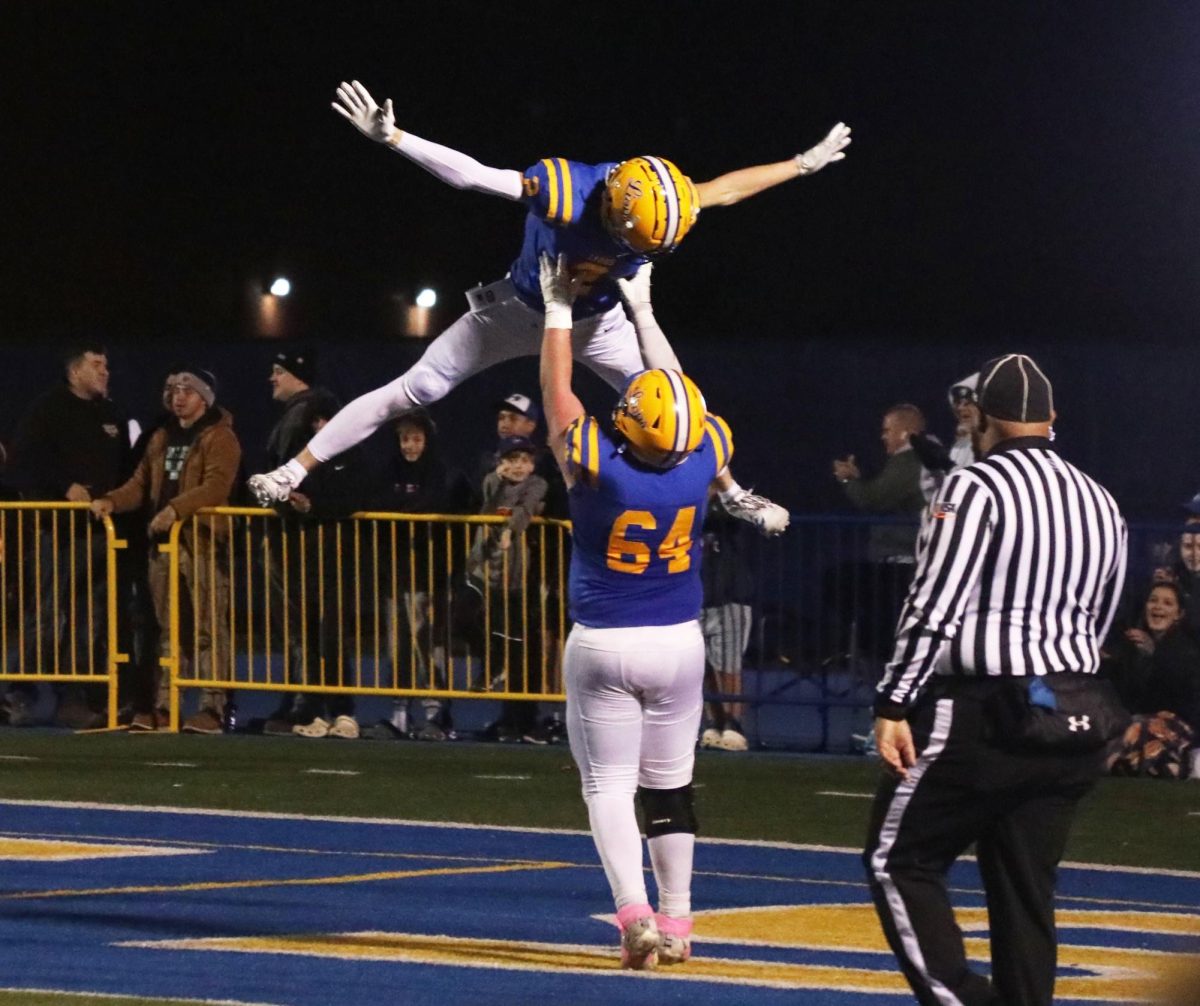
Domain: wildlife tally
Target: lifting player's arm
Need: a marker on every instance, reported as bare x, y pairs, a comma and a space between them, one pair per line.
559, 400
735, 186
656, 350
658, 354
378, 123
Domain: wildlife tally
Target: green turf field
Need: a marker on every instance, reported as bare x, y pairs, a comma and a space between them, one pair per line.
793, 798
81, 999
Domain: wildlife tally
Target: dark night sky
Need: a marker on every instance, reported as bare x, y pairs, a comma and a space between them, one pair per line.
1016, 167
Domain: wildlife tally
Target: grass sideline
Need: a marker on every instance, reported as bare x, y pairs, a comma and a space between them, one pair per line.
774, 797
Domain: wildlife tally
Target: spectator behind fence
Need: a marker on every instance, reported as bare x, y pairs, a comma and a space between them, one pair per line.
497, 600
145, 632
938, 461
725, 620
1185, 567
870, 593
965, 406
191, 463
895, 490
344, 594
1155, 668
72, 444
419, 481
518, 415
292, 376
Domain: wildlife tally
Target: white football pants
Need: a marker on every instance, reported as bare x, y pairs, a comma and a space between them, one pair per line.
607, 344
634, 700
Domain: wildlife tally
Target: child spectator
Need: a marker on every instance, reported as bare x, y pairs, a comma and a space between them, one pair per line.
497, 572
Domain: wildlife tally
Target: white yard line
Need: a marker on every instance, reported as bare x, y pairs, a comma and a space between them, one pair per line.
467, 826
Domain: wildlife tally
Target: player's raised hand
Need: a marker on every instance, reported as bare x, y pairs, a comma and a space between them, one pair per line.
354, 102
827, 151
559, 289
636, 289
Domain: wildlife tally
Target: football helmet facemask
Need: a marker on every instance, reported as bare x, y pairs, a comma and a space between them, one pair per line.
649, 205
661, 417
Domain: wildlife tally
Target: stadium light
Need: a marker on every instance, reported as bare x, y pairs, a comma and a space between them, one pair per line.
281, 287
427, 298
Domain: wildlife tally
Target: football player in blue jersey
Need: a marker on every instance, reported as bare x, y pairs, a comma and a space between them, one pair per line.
608, 219
634, 661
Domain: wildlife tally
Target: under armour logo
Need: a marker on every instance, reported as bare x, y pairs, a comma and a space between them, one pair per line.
1077, 723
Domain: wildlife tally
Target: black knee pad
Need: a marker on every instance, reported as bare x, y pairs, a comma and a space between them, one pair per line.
668, 811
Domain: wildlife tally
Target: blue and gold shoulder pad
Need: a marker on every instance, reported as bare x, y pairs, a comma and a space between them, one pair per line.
550, 192
716, 431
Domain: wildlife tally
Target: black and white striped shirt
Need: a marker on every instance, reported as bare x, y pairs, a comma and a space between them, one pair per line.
1019, 570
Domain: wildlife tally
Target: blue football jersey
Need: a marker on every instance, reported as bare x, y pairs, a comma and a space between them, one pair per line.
636, 553
563, 198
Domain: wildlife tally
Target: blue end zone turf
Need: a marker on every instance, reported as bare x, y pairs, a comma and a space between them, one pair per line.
309, 911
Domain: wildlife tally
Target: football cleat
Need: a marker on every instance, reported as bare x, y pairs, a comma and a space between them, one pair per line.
661, 416
649, 205
639, 938
674, 939
711, 738
770, 518
271, 487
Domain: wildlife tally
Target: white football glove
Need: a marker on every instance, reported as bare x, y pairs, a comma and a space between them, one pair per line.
636, 290
826, 152
559, 289
354, 102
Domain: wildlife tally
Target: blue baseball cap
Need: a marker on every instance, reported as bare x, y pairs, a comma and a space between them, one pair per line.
510, 445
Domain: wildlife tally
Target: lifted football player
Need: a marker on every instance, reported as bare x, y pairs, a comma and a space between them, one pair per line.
608, 219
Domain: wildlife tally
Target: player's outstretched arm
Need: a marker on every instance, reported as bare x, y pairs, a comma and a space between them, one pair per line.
562, 405
656, 350
378, 122
731, 188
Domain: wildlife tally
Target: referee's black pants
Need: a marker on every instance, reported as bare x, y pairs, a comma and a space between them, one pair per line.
1016, 807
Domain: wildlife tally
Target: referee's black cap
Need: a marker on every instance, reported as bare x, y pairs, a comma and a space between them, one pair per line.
1012, 387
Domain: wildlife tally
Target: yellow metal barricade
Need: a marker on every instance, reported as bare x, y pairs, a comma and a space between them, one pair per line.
59, 597
376, 604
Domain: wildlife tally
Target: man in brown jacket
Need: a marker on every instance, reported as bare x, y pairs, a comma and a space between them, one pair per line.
190, 463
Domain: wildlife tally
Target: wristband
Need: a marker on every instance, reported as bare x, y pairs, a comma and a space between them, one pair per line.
558, 316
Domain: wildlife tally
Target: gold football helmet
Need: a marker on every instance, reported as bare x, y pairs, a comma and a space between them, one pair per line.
661, 416
649, 204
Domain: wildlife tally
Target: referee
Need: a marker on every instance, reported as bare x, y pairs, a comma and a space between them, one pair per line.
1018, 574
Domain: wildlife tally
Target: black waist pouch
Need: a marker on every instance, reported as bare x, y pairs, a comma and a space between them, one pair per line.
1057, 712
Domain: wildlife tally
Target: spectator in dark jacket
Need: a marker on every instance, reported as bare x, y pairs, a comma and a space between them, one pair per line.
420, 482
73, 445
727, 574
293, 372
339, 608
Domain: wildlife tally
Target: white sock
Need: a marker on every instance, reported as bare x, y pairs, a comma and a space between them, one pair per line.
671, 856
400, 716
296, 471
619, 842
